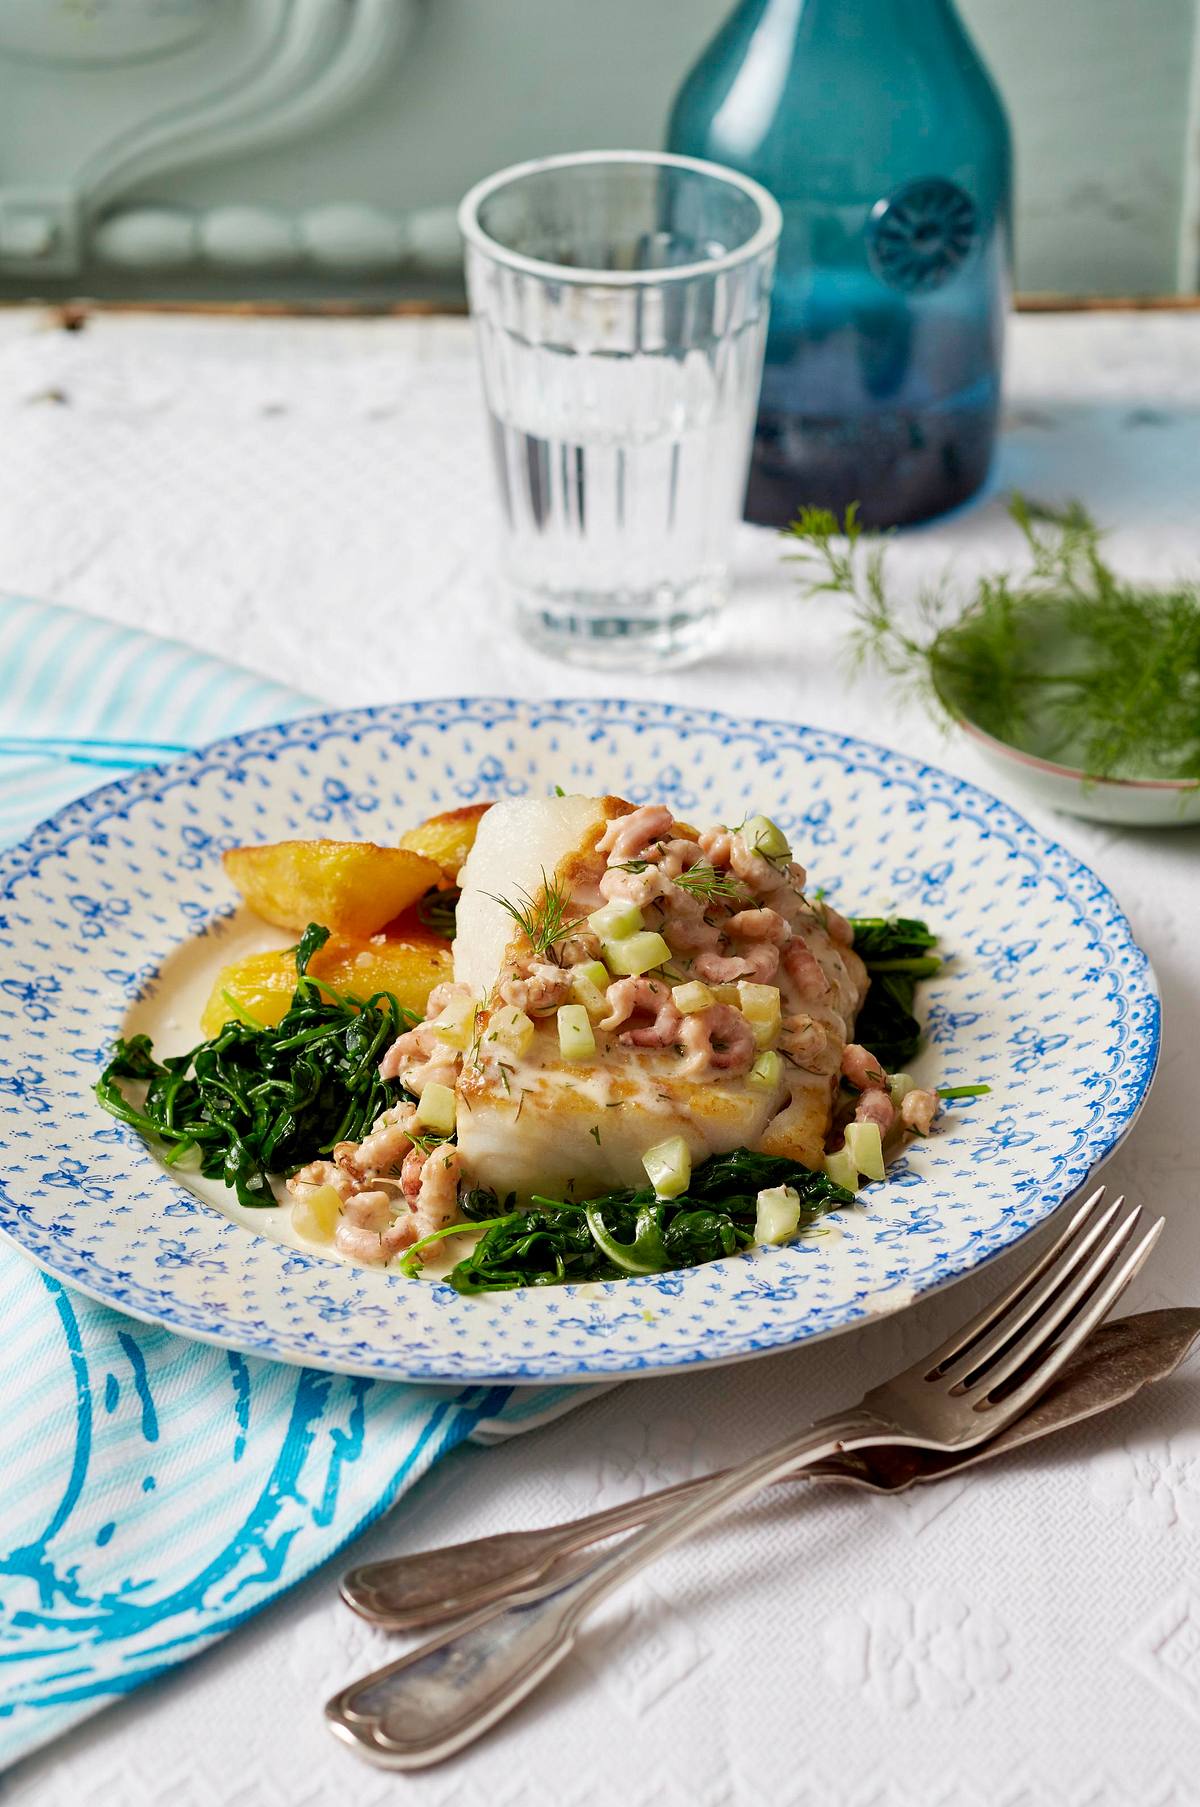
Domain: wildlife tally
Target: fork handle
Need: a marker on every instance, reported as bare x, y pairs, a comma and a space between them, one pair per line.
428, 1587
449, 1691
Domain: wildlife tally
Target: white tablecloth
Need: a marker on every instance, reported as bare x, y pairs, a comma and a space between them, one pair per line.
313, 500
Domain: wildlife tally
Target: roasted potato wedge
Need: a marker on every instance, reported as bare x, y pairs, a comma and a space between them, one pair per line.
258, 988
448, 838
352, 887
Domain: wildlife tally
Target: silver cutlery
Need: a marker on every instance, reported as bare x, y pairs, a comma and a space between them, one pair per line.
448, 1692
404, 1593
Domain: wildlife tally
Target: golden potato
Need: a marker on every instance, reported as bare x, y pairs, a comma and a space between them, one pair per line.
259, 987
447, 838
350, 887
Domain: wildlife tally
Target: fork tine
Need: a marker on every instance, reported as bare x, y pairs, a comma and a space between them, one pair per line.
1079, 1329
970, 1333
1069, 1252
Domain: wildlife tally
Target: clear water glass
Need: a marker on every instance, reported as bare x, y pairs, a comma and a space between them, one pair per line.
620, 302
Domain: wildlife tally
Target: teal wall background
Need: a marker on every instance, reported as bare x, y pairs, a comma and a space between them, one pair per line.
315, 148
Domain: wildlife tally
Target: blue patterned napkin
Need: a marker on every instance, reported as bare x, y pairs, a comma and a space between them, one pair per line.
156, 1492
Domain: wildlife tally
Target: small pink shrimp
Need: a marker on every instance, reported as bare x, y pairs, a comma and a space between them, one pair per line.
640, 888
441, 995
717, 1039
716, 844
762, 924
837, 927
759, 964
322, 1173
874, 1106
810, 1045
626, 836
685, 925
675, 857
437, 1200
382, 1151
410, 1173
537, 989
804, 970
918, 1110
419, 1058
651, 996
862, 1069
583, 945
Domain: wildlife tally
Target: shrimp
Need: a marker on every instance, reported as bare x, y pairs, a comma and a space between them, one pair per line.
368, 1231
716, 844
862, 1069
762, 924
837, 927
759, 963
323, 1173
419, 1058
685, 924
874, 1106
626, 836
918, 1109
717, 1039
652, 996
537, 989
675, 857
437, 1200
410, 1173
640, 888
805, 970
578, 948
382, 1151
441, 995
810, 1044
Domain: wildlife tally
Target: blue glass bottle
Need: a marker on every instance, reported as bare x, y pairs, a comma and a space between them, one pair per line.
876, 126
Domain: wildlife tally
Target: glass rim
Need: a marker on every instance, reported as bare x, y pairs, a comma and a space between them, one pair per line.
762, 240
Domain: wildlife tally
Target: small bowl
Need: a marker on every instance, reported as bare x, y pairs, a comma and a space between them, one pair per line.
1128, 802
1040, 761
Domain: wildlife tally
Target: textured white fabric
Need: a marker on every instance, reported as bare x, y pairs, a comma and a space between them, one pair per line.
312, 500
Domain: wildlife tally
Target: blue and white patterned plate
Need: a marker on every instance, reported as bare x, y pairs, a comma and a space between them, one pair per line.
115, 914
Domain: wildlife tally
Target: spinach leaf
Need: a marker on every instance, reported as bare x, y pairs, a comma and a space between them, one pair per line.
253, 1101
896, 953
631, 1231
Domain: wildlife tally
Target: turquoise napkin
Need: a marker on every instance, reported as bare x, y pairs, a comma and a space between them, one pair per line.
157, 1492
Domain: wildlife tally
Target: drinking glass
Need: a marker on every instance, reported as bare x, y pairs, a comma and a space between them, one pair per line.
620, 301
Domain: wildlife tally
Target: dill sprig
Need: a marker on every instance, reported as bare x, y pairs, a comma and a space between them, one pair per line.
706, 883
1064, 659
543, 920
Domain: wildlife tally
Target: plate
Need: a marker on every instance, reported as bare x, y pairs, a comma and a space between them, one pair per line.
114, 914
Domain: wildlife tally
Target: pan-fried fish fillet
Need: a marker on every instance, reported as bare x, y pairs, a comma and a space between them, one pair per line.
532, 1121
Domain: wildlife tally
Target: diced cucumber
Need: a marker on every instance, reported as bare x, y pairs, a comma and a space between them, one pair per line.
455, 1025
763, 836
510, 1026
866, 1149
576, 1040
587, 993
761, 1008
437, 1109
693, 996
593, 970
636, 954
315, 1214
668, 1167
614, 921
766, 1074
841, 1169
899, 1088
778, 1214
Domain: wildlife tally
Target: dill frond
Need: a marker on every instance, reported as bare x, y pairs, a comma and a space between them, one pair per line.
543, 919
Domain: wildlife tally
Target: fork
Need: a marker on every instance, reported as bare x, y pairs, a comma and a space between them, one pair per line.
445, 1694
